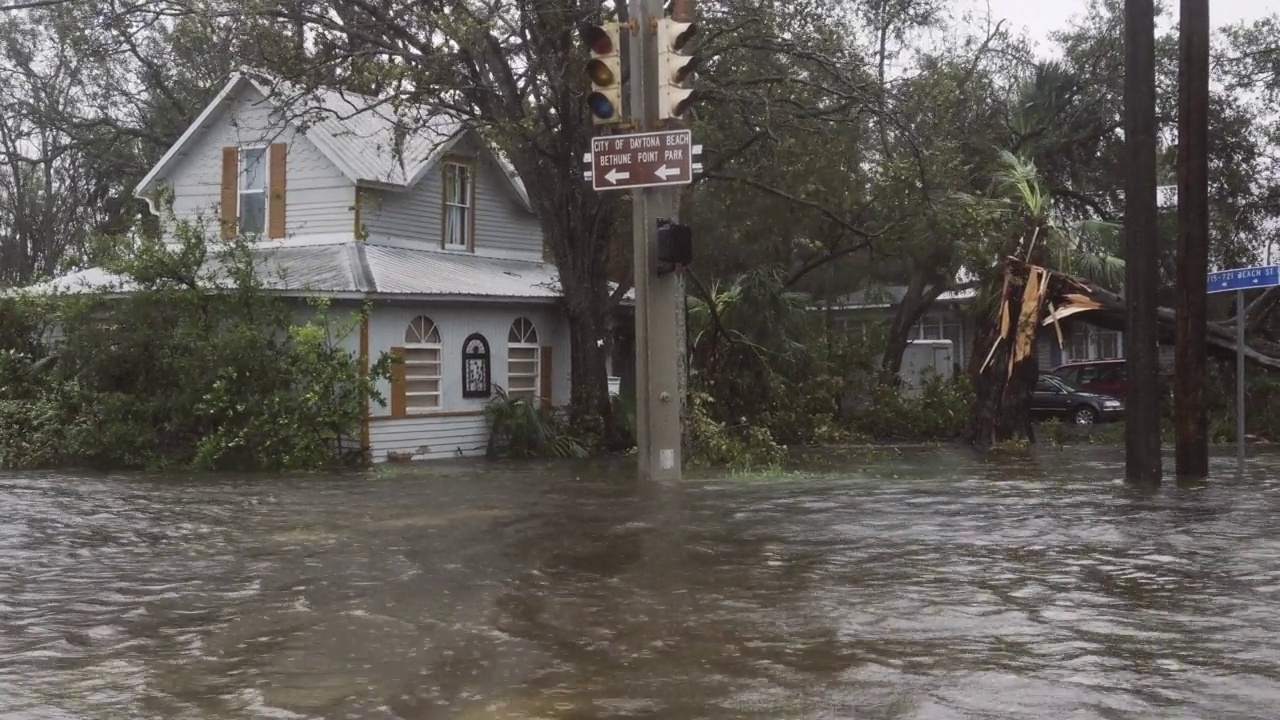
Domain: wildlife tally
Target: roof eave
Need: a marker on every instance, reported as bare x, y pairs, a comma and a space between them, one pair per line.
143, 186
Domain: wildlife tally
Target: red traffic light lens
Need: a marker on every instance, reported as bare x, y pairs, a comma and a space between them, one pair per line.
598, 40
601, 106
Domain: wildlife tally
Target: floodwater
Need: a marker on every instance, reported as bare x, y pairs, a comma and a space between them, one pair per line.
921, 585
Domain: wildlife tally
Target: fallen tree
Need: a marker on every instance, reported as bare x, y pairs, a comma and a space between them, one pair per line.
1035, 297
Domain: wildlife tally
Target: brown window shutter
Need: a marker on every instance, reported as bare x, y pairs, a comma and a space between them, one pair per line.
544, 374
398, 404
275, 192
230, 191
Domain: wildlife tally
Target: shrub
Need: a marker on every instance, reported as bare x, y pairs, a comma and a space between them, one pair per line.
522, 428
191, 367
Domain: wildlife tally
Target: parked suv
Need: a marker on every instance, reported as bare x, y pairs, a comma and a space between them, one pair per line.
1053, 397
1106, 377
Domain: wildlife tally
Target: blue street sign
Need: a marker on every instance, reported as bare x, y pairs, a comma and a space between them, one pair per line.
1244, 278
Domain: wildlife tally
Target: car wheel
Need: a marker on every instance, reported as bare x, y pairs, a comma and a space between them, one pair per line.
1084, 415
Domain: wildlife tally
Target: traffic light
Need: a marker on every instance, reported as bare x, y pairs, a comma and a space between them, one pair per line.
674, 68
605, 71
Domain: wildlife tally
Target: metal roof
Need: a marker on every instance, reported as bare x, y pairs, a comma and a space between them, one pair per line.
360, 269
397, 271
367, 138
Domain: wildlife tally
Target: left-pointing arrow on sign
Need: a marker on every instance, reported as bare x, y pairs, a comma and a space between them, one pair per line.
665, 172
614, 176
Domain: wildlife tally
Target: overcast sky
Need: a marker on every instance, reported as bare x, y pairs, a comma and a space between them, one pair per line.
1040, 17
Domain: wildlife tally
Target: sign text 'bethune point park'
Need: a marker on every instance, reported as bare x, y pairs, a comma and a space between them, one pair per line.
638, 160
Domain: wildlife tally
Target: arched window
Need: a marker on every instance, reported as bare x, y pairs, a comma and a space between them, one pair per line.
475, 367
522, 359
421, 365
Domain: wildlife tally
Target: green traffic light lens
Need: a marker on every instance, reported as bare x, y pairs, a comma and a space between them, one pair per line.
600, 72
598, 40
601, 106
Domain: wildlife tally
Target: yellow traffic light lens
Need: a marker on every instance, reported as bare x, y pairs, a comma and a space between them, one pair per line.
600, 72
598, 40
601, 106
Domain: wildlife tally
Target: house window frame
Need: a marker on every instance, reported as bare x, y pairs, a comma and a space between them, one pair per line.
422, 346
1090, 339
241, 190
525, 342
941, 323
447, 207
485, 357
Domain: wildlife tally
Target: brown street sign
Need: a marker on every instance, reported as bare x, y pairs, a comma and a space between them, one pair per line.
650, 159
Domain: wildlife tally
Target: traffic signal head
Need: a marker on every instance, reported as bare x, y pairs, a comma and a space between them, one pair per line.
605, 70
675, 243
674, 68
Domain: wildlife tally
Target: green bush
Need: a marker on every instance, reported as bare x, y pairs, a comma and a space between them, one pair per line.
521, 428
937, 411
189, 368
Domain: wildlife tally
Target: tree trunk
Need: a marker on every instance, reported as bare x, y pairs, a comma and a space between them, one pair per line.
1141, 244
915, 303
588, 375
1191, 417
1005, 375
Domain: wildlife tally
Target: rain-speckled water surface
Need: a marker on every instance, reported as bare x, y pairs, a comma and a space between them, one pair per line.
927, 584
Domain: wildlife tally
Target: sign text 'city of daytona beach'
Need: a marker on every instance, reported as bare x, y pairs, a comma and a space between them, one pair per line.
651, 159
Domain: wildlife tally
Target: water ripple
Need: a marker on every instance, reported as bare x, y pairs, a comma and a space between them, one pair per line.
928, 586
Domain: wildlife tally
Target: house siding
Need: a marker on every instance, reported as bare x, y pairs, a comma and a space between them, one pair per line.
502, 224
429, 438
318, 197
456, 321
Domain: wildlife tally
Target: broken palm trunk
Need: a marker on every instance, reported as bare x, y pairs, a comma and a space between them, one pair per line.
1007, 376
1034, 297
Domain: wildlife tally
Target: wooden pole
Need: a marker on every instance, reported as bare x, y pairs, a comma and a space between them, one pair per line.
1191, 418
1141, 243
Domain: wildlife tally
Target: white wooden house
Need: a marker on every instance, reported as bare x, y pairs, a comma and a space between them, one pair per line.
433, 228
949, 319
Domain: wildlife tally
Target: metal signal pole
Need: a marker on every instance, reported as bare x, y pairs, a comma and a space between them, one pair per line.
660, 299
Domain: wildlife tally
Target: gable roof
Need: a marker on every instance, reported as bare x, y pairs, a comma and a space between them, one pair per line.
363, 136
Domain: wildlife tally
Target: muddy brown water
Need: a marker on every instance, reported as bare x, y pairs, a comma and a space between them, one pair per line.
922, 585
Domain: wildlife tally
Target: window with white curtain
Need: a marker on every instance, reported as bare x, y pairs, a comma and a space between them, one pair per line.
459, 194
253, 190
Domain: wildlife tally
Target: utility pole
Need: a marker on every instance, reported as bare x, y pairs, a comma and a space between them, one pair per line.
660, 299
1141, 244
1191, 419
653, 158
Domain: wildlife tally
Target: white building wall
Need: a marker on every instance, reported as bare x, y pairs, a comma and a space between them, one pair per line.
319, 199
458, 427
412, 218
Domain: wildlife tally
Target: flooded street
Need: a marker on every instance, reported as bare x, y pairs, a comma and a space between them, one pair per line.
931, 585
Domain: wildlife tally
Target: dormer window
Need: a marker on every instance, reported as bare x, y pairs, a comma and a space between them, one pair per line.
459, 202
253, 190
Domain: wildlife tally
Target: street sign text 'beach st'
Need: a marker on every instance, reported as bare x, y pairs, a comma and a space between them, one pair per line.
650, 159
1244, 278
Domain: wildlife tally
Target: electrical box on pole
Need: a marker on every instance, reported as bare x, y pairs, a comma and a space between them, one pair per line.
605, 70
674, 68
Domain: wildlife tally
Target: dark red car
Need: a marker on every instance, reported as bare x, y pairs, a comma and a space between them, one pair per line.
1105, 377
